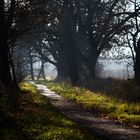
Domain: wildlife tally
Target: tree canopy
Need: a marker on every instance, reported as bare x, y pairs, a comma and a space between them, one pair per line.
68, 34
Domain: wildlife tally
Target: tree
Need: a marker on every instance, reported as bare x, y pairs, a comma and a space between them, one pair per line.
95, 24
76, 32
134, 40
10, 19
5, 26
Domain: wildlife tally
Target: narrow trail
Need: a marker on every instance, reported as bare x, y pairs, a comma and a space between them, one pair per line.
106, 129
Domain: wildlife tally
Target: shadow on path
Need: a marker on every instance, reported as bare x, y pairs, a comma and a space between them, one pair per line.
104, 128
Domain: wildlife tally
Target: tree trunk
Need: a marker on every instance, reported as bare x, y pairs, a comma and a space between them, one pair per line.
73, 70
137, 64
91, 66
42, 71
5, 75
62, 66
31, 66
63, 72
73, 67
13, 71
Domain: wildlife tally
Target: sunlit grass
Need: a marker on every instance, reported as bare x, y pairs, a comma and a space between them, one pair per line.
107, 106
40, 121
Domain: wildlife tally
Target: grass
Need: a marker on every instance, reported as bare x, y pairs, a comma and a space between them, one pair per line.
8, 125
36, 119
105, 103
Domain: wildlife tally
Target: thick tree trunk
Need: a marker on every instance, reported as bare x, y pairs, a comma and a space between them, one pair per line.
67, 64
74, 74
43, 72
91, 66
73, 67
5, 74
63, 72
62, 65
137, 64
67, 67
68, 61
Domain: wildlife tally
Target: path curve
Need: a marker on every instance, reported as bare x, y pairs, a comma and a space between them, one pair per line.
106, 129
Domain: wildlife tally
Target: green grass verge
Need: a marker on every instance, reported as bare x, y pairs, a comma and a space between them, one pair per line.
41, 121
9, 129
108, 106
36, 119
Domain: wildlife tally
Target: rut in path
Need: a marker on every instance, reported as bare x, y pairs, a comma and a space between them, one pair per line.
106, 129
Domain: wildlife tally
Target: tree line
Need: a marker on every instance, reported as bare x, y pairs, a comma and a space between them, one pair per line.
68, 34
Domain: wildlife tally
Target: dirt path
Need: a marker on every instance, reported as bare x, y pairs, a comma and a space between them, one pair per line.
106, 129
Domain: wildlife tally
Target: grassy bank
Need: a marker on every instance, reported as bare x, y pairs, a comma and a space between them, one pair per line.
111, 104
36, 119
9, 126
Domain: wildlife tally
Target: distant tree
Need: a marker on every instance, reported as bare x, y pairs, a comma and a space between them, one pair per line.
20, 62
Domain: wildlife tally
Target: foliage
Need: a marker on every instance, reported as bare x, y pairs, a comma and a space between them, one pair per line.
73, 36
107, 106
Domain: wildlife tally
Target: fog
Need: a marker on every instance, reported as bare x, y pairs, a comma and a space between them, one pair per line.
110, 69
118, 70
